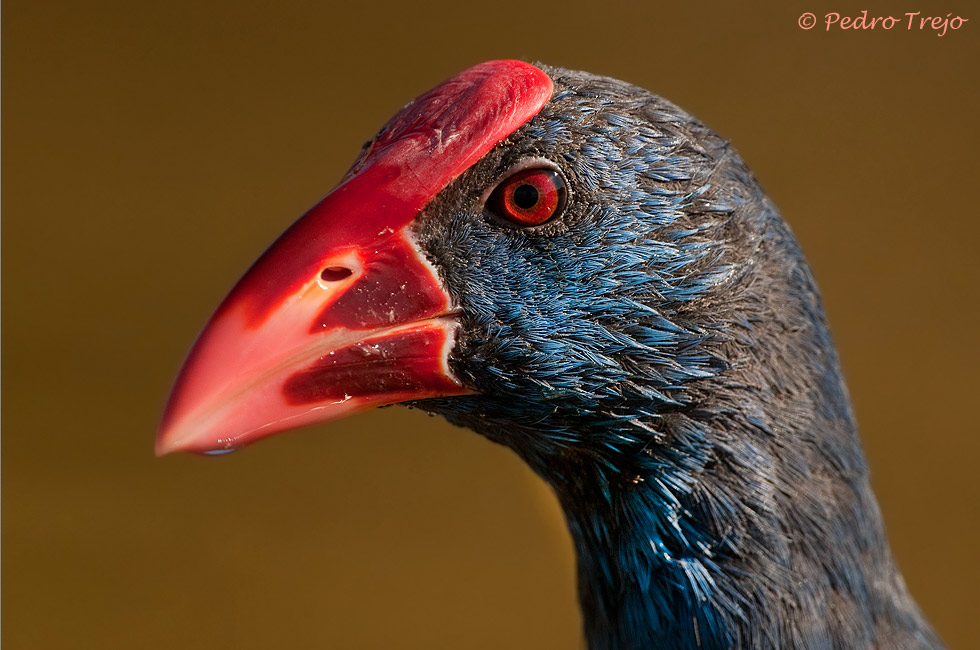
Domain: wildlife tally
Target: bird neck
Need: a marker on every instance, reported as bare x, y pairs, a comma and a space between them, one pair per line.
728, 553
640, 584
746, 521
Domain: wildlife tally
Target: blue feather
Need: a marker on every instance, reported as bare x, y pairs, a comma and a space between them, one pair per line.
659, 356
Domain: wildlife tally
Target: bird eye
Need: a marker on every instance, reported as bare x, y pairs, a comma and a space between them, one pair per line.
530, 197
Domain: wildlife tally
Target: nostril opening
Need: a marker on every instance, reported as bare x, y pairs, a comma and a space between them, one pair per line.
335, 273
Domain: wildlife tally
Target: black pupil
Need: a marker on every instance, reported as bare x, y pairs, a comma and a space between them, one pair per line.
525, 196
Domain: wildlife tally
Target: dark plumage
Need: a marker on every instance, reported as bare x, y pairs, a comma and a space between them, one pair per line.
657, 352
661, 358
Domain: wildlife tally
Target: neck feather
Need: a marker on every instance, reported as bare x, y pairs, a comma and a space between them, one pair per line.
747, 520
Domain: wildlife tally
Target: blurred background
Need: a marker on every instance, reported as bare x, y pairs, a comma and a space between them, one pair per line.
152, 150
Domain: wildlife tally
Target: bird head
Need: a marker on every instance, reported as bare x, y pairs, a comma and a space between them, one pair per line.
538, 254
577, 269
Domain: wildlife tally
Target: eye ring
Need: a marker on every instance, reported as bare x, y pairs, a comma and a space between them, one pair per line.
530, 194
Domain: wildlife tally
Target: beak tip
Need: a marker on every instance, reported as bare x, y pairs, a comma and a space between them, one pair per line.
173, 437
164, 445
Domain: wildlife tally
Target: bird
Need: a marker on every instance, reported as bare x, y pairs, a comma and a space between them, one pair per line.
577, 269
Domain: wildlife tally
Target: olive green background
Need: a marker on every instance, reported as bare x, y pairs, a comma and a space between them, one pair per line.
151, 152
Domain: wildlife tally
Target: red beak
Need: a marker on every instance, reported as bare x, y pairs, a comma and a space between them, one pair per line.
344, 312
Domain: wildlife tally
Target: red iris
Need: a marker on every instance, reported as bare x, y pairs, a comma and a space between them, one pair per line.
530, 197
